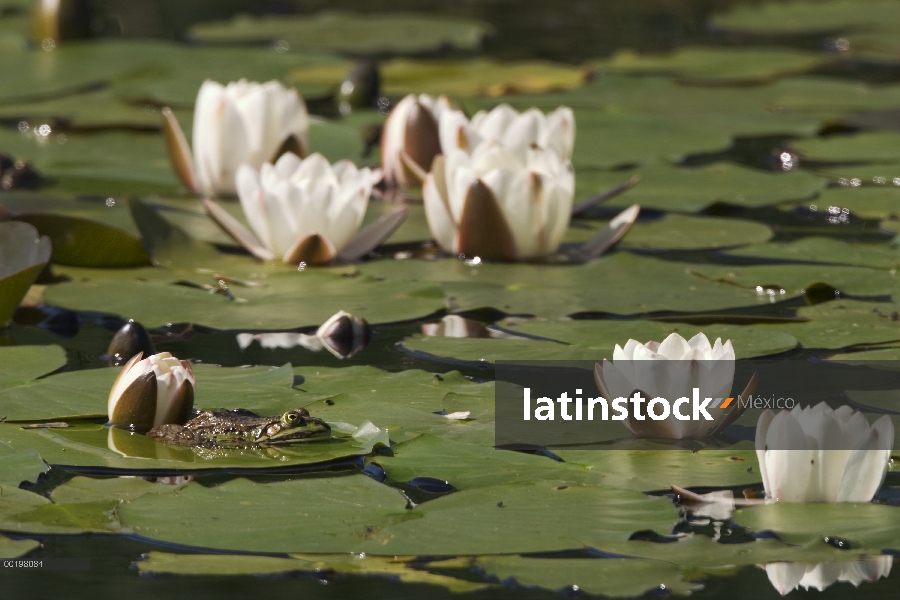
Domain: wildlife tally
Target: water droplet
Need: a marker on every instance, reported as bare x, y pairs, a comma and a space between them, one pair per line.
110, 202
48, 44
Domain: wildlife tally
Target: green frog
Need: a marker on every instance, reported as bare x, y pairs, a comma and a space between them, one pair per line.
241, 428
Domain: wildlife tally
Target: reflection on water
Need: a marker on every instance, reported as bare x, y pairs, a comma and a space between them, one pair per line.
785, 576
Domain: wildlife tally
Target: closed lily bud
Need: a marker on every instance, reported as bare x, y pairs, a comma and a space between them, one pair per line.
151, 392
55, 20
132, 338
497, 204
239, 123
23, 255
304, 210
410, 140
517, 132
360, 88
820, 454
670, 370
344, 334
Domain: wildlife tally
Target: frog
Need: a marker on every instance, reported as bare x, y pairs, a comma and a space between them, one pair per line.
241, 428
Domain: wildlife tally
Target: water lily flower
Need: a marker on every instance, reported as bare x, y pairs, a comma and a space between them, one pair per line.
410, 139
820, 454
517, 132
239, 123
671, 370
497, 204
786, 577
151, 391
23, 255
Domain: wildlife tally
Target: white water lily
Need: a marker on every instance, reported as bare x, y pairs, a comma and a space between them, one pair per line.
820, 454
151, 391
23, 254
239, 123
517, 132
670, 370
786, 577
304, 210
410, 139
497, 204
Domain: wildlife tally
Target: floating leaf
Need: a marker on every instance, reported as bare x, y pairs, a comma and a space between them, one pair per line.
350, 32
718, 65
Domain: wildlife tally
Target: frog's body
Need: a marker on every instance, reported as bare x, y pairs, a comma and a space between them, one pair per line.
242, 428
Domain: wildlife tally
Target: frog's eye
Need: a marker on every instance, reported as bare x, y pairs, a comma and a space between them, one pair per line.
291, 418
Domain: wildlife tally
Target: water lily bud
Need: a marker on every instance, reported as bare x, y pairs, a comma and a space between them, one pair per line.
797, 465
151, 392
23, 255
242, 123
410, 140
304, 210
132, 338
55, 20
344, 334
498, 204
671, 370
360, 88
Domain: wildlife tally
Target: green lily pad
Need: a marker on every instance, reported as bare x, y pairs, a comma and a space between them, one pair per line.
275, 517
620, 283
606, 140
21, 466
349, 32
521, 517
285, 300
649, 470
667, 187
810, 17
163, 563
611, 577
407, 403
478, 77
870, 202
100, 163
825, 250
26, 512
875, 146
719, 65
871, 527
20, 365
680, 232
10, 548
84, 243
469, 466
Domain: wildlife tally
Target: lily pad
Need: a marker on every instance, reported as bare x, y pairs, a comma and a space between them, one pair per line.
678, 232
285, 300
20, 365
348, 32
27, 512
871, 527
101, 163
275, 517
875, 146
20, 467
718, 65
867, 202
666, 187
163, 563
521, 517
810, 17
611, 284
469, 466
612, 577
827, 251
10, 548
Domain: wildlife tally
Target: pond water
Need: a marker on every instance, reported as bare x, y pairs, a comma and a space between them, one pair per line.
766, 141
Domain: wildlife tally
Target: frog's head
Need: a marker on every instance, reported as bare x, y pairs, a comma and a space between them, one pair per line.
294, 426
